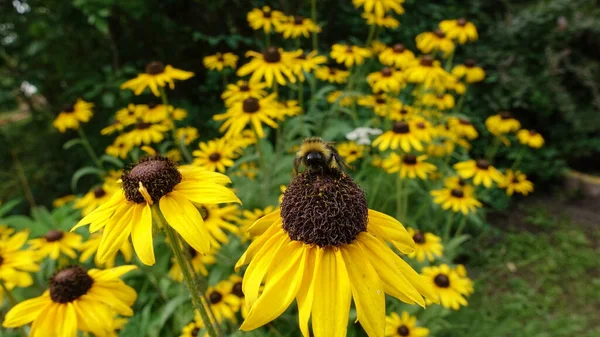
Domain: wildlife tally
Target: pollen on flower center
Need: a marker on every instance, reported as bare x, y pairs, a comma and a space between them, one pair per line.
155, 68
325, 209
99, 192
419, 238
158, 175
401, 127
410, 159
250, 105
427, 61
403, 330
237, 290
442, 281
399, 48
483, 164
69, 284
457, 193
215, 297
54, 235
271, 55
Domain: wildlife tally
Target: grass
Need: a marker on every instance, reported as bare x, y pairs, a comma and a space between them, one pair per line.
538, 277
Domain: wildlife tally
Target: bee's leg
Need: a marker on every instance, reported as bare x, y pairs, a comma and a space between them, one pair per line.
296, 164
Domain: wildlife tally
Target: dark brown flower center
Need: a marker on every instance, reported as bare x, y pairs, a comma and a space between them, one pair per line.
470, 63
237, 290
244, 87
158, 175
193, 253
326, 208
267, 14
298, 20
220, 58
482, 164
70, 108
442, 281
463, 121
506, 115
427, 61
250, 105
155, 68
403, 330
421, 125
215, 297
332, 71
401, 127
409, 159
99, 192
457, 193
214, 157
386, 72
349, 49
461, 182
204, 212
195, 332
54, 235
461, 22
69, 284
399, 48
419, 238
532, 132
151, 106
380, 100
439, 33
353, 152
271, 55
142, 125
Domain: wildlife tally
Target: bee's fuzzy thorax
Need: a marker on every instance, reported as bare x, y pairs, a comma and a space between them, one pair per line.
314, 144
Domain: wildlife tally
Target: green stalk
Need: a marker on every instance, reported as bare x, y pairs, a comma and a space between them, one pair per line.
461, 100
198, 299
520, 156
370, 37
88, 148
180, 144
313, 16
448, 226
399, 195
267, 39
461, 225
373, 194
494, 149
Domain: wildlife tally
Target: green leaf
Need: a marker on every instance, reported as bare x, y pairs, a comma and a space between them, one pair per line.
8, 206
83, 172
72, 143
110, 159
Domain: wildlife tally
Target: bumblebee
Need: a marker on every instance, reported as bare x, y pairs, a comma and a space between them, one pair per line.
319, 155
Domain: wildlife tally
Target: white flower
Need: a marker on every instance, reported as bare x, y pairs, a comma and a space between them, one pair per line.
361, 135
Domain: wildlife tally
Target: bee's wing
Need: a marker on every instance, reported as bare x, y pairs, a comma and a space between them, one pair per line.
339, 161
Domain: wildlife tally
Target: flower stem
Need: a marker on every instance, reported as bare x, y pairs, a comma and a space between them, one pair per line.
461, 225
448, 226
399, 195
313, 16
198, 299
88, 148
370, 37
13, 301
520, 156
494, 149
180, 144
373, 194
461, 100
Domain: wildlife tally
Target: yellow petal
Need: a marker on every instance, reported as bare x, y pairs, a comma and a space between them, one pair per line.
141, 236
25, 311
183, 216
306, 292
206, 193
115, 233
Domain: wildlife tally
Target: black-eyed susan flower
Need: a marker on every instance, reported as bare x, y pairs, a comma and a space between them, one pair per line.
94, 198
470, 71
502, 123
306, 63
157, 76
17, 262
271, 65
456, 199
482, 172
120, 147
251, 216
377, 47
408, 166
530, 138
429, 42
340, 97
265, 19
516, 181
403, 326
381, 103
397, 56
459, 30
243, 89
455, 182
72, 115
327, 249
76, 300
145, 133
286, 109
194, 329
199, 263
296, 26
220, 61
174, 189
403, 113
427, 246
60, 202
128, 115
386, 80
332, 75
450, 286
235, 297
154, 113
216, 298
349, 55
186, 134
90, 247
400, 136
219, 221
387, 20
439, 101
57, 242
351, 151
380, 7
177, 114
463, 128
250, 112
113, 127
422, 128
428, 72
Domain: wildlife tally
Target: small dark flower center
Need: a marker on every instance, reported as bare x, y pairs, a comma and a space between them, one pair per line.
267, 14
193, 253
427, 61
151, 106
457, 193
70, 108
271, 55
204, 212
401, 127
99, 192
220, 58
403, 111
386, 72
326, 208
250, 105
470, 63
532, 132
237, 290
194, 332
158, 175
298, 20
421, 125
409, 159
506, 115
483, 164
349, 49
440, 96
403, 330
332, 71
1, 260
442, 281
214, 157
69, 284
380, 100
419, 238
399, 48
439, 33
215, 297
461, 22
461, 182
142, 125
463, 121
54, 235
353, 152
155, 68
244, 87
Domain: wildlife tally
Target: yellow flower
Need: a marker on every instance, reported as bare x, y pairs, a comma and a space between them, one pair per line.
397, 56
459, 30
386, 80
72, 115
429, 42
188, 134
251, 216
462, 128
116, 126
199, 263
382, 104
287, 109
235, 297
16, 262
349, 55
428, 72
408, 166
450, 287
216, 298
470, 71
76, 300
502, 123
456, 182
251, 111
440, 101
332, 75
220, 61
242, 140
217, 219
90, 247
386, 21
443, 142
403, 326
242, 90
175, 190
400, 136
403, 113
155, 77
307, 63
295, 26
154, 113
380, 7
325, 257
530, 138
248, 170
145, 133
128, 116
193, 329
377, 47
458, 199
56, 242
214, 155
272, 64
60, 202
515, 181
265, 19
120, 147
351, 151
341, 98
94, 198
422, 129
482, 172
427, 246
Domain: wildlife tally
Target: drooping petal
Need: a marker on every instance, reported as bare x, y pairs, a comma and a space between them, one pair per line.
115, 233
25, 312
141, 236
185, 218
206, 193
